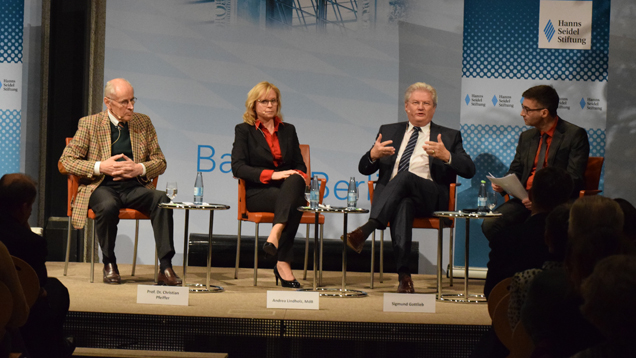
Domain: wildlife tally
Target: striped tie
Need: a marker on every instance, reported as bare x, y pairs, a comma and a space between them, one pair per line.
408, 151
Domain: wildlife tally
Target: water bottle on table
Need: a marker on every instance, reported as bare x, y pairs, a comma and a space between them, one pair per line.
314, 193
198, 189
352, 194
482, 198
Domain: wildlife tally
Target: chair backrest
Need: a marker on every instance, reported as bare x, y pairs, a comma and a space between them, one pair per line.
72, 184
593, 172
500, 322
498, 292
28, 279
304, 150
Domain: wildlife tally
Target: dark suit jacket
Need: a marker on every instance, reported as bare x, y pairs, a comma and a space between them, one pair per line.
251, 154
442, 174
569, 150
26, 245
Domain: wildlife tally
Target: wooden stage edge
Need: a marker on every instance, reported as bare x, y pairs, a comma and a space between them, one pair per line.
243, 300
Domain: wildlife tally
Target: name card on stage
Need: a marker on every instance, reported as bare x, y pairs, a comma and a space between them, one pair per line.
295, 300
163, 295
400, 302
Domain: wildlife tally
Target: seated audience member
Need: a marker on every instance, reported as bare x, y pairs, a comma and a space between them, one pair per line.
520, 247
551, 312
556, 237
43, 332
608, 295
19, 308
629, 212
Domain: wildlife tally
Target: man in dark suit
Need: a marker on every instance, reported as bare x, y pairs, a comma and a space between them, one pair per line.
116, 153
418, 160
552, 142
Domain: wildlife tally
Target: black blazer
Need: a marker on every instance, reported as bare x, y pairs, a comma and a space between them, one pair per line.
251, 154
569, 150
442, 174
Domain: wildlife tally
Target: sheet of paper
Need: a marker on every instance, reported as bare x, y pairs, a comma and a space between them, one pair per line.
511, 184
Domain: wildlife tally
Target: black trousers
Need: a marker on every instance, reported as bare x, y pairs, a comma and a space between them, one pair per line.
404, 198
513, 212
106, 202
282, 198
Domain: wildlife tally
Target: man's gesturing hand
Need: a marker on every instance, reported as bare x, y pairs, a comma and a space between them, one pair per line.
437, 149
381, 149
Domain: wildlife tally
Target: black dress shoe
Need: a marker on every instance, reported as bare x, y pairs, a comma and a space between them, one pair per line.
111, 274
270, 249
355, 240
285, 283
406, 285
169, 277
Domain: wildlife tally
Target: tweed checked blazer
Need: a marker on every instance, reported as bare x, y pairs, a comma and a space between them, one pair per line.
92, 143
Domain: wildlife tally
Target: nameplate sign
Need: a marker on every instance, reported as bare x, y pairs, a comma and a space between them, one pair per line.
163, 295
400, 302
295, 300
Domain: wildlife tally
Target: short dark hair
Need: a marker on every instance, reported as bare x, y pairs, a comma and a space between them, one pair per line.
556, 230
629, 221
546, 96
551, 187
16, 189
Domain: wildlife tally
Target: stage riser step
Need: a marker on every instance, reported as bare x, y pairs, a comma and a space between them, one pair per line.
224, 254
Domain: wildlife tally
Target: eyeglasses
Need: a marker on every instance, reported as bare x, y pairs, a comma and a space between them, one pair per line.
125, 102
528, 110
266, 102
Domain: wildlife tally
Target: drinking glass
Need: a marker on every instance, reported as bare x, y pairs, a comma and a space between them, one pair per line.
492, 201
307, 194
171, 190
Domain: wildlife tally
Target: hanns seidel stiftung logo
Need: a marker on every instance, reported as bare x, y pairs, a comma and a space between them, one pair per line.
565, 25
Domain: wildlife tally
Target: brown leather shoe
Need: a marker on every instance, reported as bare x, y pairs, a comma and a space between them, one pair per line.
355, 240
111, 274
168, 277
406, 285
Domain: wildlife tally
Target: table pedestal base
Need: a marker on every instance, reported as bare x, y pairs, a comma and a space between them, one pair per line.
336, 292
201, 288
461, 298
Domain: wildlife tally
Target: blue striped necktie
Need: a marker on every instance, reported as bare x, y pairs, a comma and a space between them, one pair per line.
408, 151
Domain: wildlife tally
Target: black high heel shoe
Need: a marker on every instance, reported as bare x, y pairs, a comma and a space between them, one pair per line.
270, 249
285, 283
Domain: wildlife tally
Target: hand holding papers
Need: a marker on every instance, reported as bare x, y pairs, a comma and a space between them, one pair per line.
511, 184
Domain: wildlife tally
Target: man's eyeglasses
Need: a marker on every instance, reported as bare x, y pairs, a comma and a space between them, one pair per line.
528, 110
266, 102
125, 102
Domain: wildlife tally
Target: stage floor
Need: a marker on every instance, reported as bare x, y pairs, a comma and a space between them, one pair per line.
243, 300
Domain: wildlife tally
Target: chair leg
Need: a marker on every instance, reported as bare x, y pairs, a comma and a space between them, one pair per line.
134, 263
238, 250
93, 254
372, 258
382, 256
450, 256
68, 245
156, 265
306, 252
321, 246
255, 254
440, 242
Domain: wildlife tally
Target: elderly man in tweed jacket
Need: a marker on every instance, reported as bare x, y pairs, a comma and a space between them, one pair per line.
116, 153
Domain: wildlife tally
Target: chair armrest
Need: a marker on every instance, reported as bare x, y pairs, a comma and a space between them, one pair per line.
323, 185
588, 192
371, 184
